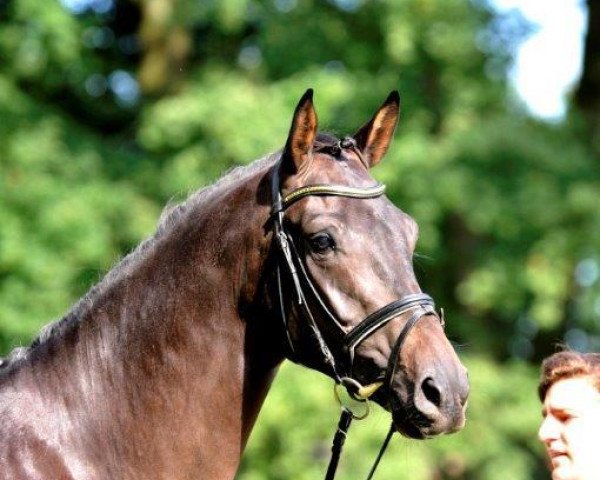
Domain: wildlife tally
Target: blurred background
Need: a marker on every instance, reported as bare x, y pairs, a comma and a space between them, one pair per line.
109, 109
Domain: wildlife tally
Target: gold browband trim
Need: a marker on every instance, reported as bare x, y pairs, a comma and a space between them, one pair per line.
335, 190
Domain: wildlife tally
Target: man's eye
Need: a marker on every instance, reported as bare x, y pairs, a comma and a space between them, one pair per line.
321, 243
564, 417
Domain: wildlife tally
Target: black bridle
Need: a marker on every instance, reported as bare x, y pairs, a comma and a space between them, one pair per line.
420, 304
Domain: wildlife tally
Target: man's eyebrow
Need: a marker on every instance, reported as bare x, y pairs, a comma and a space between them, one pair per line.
559, 410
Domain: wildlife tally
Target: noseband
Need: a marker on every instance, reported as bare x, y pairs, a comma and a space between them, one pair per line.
420, 304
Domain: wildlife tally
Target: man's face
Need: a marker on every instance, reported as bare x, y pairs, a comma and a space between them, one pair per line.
571, 429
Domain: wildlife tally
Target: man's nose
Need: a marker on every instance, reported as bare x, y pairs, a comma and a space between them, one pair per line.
547, 430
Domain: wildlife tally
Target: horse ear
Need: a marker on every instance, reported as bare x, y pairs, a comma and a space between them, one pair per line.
299, 145
374, 137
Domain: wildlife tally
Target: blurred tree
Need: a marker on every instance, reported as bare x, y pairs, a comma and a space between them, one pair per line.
587, 96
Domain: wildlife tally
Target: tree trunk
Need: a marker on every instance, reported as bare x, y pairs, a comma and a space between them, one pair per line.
587, 95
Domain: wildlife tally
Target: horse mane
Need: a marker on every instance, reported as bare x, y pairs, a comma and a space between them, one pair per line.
170, 219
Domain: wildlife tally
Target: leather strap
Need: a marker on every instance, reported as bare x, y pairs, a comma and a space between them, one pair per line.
338, 443
333, 190
379, 318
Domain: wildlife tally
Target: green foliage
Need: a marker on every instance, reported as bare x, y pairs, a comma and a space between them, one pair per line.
109, 112
64, 219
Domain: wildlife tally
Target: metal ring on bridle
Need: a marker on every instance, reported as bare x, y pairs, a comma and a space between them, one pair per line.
348, 407
358, 391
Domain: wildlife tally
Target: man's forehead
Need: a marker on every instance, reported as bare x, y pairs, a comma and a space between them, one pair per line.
572, 392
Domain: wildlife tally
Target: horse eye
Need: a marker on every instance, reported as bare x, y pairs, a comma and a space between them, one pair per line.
321, 243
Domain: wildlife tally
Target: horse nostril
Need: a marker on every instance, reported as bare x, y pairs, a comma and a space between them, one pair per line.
431, 391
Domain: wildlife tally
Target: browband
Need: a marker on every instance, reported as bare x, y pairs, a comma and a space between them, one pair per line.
333, 190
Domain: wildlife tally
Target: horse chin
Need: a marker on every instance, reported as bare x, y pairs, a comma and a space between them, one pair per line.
412, 425
407, 420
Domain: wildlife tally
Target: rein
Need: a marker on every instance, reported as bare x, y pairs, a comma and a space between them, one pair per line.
420, 304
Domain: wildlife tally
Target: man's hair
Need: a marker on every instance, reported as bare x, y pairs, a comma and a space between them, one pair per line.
568, 364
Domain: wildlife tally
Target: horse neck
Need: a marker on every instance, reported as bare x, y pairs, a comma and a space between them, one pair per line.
169, 344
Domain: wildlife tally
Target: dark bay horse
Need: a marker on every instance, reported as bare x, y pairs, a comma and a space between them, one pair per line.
159, 372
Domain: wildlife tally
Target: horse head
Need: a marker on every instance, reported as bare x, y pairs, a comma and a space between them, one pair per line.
350, 302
